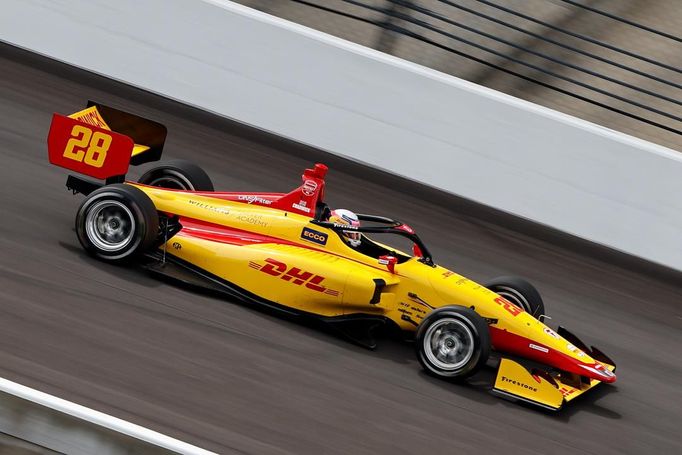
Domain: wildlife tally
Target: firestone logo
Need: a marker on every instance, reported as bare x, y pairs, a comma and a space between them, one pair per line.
519, 384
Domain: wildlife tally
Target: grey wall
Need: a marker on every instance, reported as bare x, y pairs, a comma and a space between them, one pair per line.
47, 428
551, 168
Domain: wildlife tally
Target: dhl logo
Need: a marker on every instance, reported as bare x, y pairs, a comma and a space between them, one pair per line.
567, 392
293, 275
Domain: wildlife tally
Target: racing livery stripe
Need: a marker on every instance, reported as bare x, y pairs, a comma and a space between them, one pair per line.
223, 234
516, 344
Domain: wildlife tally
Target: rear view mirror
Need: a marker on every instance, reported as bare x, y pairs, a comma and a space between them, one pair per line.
389, 262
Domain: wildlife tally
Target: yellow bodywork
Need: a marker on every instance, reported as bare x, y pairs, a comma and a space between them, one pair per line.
513, 379
409, 291
263, 248
413, 290
322, 275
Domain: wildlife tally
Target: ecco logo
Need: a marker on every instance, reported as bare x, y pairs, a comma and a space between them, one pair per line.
314, 236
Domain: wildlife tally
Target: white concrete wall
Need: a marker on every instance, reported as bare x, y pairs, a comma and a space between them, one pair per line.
48, 421
518, 157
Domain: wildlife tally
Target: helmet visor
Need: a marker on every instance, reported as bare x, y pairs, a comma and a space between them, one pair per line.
353, 235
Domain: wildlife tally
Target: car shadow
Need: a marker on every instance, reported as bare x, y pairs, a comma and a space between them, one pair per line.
120, 271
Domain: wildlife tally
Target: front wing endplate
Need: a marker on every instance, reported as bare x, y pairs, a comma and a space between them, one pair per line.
515, 381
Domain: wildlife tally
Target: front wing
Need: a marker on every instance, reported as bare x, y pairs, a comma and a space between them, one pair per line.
539, 387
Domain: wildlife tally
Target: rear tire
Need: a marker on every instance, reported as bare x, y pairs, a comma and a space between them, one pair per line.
520, 293
453, 342
178, 175
117, 223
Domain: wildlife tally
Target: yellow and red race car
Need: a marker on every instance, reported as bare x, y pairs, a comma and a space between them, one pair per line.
283, 251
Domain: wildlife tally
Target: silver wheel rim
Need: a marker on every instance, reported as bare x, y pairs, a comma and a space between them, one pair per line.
172, 180
110, 226
449, 344
515, 297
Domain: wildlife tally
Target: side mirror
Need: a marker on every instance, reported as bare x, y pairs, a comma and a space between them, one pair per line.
389, 262
416, 251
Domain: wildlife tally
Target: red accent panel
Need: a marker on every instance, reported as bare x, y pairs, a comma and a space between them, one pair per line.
505, 341
318, 172
304, 199
406, 228
223, 234
86, 149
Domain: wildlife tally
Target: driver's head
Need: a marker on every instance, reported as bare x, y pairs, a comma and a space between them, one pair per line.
343, 216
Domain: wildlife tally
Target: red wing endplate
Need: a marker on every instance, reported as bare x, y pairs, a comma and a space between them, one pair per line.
101, 142
303, 200
88, 149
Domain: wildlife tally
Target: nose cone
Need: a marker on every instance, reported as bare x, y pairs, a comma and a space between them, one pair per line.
599, 371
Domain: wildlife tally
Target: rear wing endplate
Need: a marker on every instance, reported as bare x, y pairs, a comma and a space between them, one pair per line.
101, 142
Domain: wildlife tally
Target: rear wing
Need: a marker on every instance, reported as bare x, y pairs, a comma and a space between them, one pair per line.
101, 142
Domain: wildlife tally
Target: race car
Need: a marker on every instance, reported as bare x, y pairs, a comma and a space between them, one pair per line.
286, 252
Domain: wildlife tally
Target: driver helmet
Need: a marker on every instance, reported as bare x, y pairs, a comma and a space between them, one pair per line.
344, 216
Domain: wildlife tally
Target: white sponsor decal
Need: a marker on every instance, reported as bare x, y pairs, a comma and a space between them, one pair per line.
301, 208
551, 332
309, 187
538, 348
346, 226
606, 372
575, 350
212, 208
599, 369
250, 199
256, 220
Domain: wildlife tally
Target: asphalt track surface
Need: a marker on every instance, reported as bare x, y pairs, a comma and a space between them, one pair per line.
232, 379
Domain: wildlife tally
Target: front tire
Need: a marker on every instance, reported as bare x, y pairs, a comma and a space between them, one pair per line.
117, 223
453, 342
178, 175
520, 293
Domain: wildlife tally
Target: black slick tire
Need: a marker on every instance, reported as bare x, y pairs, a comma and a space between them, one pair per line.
519, 292
452, 342
117, 223
177, 175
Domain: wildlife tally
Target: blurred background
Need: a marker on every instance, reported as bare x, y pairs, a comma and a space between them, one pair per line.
616, 63
494, 188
